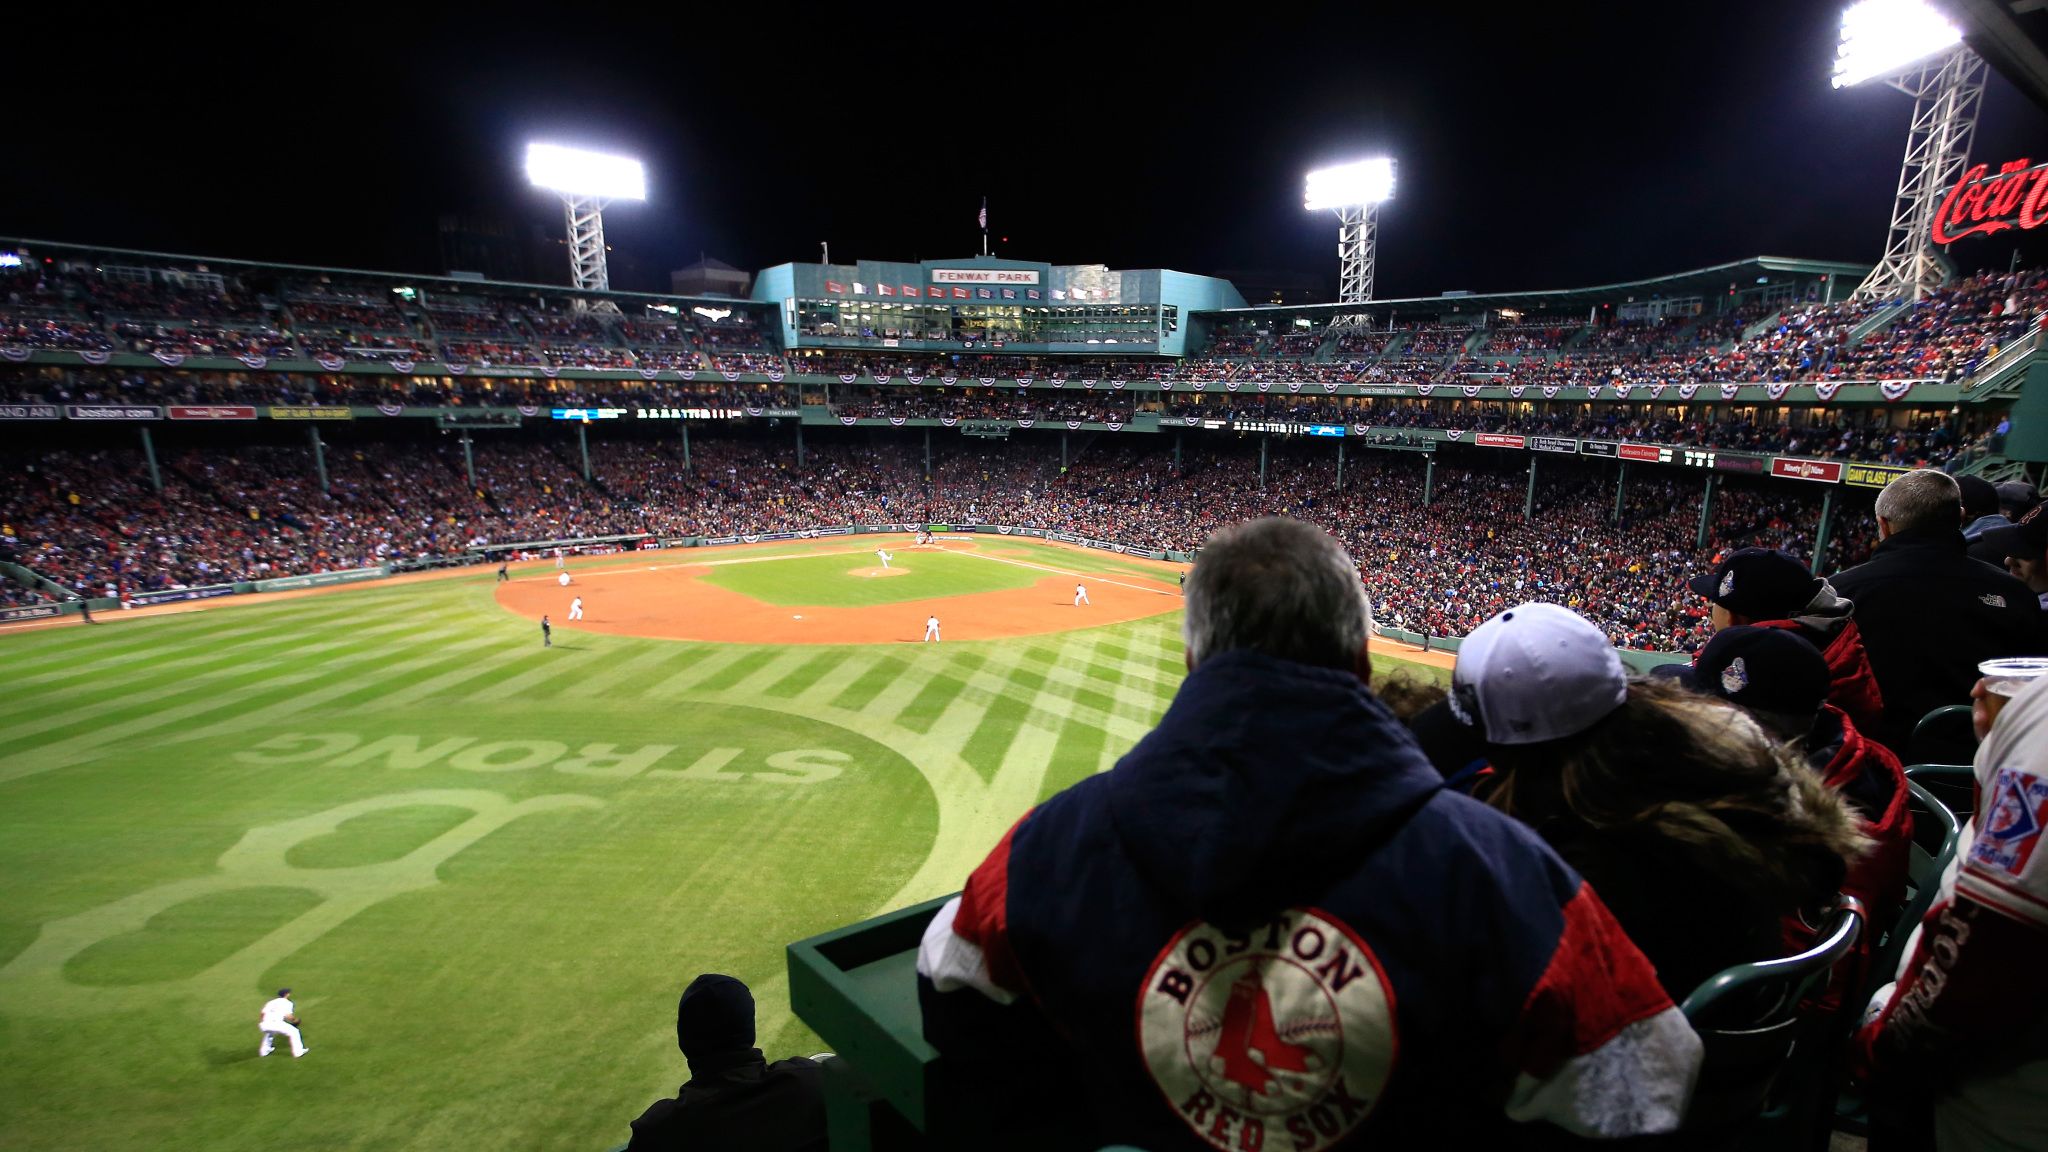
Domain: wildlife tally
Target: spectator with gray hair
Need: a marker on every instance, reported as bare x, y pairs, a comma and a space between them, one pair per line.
1929, 614
1278, 882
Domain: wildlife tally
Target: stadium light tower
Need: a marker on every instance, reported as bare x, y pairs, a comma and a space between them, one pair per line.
586, 182
1910, 46
1355, 192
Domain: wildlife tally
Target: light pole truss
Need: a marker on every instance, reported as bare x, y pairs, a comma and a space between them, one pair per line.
1947, 91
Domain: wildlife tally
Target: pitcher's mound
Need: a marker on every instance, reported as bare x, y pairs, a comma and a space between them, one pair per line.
878, 571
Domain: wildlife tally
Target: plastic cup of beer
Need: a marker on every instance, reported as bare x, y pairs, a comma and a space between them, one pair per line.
2006, 677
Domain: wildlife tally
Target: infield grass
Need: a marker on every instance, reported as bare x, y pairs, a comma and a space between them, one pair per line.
486, 869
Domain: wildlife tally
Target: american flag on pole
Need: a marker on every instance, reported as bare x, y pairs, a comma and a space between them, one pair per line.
984, 214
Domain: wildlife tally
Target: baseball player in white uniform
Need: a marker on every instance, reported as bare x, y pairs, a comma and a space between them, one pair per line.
563, 579
576, 608
884, 557
560, 563
277, 1020
931, 629
1080, 595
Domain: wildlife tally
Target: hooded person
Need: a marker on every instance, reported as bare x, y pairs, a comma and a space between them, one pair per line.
1782, 682
1983, 508
1770, 589
1964, 1029
1701, 832
1270, 925
734, 1098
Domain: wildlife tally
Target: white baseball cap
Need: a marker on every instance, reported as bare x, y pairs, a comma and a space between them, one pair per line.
1536, 672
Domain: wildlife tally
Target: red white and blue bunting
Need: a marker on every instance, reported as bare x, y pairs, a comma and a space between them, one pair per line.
1826, 389
402, 367
1777, 391
1894, 390
15, 353
331, 363
390, 409
1728, 391
1550, 391
1687, 391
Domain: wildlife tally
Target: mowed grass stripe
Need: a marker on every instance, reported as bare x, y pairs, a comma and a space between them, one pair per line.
815, 670
942, 691
737, 670
883, 673
1079, 755
233, 689
285, 644
323, 698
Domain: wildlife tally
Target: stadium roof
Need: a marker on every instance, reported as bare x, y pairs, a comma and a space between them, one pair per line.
1740, 274
458, 283
2010, 36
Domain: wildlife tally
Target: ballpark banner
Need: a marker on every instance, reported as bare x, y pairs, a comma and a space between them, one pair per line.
203, 592
1826, 389
1550, 391
299, 413
321, 579
1872, 475
29, 612
1728, 391
213, 412
1499, 440
1895, 390
1649, 452
1622, 390
114, 412
1792, 468
1598, 448
1687, 391
28, 412
1777, 391
1553, 444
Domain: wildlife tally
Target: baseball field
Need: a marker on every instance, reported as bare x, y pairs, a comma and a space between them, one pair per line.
487, 868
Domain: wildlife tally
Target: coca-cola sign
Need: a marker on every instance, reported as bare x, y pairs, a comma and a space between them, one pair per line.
2016, 196
1822, 471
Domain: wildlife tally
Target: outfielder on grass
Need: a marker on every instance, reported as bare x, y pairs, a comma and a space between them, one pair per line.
277, 1020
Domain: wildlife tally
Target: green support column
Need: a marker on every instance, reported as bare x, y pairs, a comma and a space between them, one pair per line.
1529, 501
1340, 465
1821, 534
799, 443
1706, 514
1620, 486
1063, 453
1429, 479
927, 451
583, 446
156, 479
1262, 463
686, 444
1176, 452
468, 459
319, 457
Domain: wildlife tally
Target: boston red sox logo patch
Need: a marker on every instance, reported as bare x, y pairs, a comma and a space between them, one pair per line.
2017, 813
1285, 1032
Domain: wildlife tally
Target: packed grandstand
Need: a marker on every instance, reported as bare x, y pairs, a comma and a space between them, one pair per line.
1488, 437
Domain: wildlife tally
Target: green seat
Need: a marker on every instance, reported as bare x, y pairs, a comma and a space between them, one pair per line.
1955, 785
1942, 732
1768, 1063
1936, 831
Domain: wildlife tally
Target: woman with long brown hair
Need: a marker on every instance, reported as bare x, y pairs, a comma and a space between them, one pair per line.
1698, 830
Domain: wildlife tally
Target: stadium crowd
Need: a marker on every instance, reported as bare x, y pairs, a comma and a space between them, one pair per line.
90, 519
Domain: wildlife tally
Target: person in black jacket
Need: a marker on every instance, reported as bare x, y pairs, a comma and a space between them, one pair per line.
1928, 612
735, 1100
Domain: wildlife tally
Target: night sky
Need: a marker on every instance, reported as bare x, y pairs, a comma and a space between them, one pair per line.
1544, 147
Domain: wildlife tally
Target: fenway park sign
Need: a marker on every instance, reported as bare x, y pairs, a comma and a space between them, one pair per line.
2016, 196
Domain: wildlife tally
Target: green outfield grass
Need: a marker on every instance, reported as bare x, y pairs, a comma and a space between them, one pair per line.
822, 581
487, 869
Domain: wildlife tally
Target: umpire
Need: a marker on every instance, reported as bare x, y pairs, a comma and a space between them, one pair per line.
1928, 612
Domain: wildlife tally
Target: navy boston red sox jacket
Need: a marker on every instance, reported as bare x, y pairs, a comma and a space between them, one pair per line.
1269, 927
